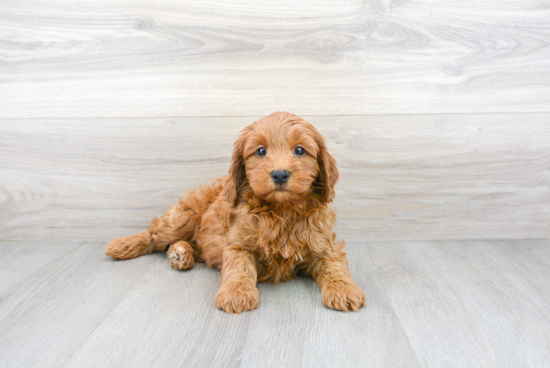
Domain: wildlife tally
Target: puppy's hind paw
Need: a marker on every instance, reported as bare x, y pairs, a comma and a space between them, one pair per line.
180, 256
128, 247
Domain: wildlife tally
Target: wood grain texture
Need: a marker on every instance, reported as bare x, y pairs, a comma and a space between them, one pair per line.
54, 314
402, 176
310, 335
24, 266
429, 303
169, 316
181, 324
474, 298
224, 58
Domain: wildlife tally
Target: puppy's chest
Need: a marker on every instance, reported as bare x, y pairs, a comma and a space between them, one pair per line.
286, 251
279, 257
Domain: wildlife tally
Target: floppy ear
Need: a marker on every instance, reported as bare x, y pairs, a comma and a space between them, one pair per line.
237, 172
328, 172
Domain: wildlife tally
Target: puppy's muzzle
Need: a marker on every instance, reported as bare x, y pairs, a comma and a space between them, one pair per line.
280, 176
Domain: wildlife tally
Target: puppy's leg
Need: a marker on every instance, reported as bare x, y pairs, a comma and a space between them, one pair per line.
130, 246
177, 224
180, 255
238, 292
338, 290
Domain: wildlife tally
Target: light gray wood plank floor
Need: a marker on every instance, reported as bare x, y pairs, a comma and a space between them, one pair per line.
429, 304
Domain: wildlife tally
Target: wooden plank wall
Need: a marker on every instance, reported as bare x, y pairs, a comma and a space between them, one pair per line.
437, 112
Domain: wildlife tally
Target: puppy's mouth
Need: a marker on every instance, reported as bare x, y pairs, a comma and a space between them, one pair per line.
281, 193
281, 188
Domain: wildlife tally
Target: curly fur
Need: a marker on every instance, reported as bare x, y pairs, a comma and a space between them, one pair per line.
254, 230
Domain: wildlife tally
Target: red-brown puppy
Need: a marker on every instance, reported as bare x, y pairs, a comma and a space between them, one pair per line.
265, 222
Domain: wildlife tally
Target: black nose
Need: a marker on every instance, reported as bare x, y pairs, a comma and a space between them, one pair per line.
280, 176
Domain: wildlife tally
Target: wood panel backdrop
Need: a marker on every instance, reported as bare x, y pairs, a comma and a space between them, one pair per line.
438, 113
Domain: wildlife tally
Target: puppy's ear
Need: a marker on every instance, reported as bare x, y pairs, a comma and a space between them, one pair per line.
237, 172
328, 172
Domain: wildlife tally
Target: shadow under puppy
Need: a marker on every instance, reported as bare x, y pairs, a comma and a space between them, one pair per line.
267, 221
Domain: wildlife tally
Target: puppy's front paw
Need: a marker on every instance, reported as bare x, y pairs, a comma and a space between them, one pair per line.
238, 297
344, 296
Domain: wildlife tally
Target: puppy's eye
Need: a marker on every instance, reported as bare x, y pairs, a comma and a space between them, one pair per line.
261, 152
299, 151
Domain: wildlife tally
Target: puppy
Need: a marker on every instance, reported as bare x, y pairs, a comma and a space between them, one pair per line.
267, 221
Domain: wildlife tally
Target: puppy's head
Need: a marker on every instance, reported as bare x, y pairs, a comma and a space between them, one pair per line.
282, 158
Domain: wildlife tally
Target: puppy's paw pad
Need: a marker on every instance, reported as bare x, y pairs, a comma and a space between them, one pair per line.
344, 296
180, 258
238, 297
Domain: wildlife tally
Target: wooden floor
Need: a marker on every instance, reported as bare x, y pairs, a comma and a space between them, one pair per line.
429, 304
